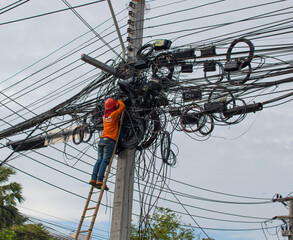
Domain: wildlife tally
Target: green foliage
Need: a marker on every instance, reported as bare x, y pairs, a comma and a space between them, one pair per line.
10, 195
25, 232
164, 224
10, 216
7, 234
11, 221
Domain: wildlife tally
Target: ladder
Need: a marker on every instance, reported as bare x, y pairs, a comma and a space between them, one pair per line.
96, 208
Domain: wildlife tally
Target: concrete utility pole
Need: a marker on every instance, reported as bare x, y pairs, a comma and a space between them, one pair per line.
123, 195
287, 232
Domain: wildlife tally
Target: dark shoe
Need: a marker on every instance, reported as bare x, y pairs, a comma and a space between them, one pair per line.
93, 182
99, 185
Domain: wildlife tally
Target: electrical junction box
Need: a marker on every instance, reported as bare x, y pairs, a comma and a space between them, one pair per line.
209, 66
186, 68
208, 51
232, 65
184, 54
162, 44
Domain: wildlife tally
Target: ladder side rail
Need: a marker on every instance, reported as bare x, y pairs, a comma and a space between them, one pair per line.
105, 181
83, 213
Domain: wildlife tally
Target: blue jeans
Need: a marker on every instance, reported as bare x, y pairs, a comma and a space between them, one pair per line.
105, 151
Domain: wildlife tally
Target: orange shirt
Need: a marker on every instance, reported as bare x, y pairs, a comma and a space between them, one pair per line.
111, 122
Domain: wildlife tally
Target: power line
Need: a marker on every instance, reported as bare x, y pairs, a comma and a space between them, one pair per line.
49, 13
89, 27
12, 6
265, 76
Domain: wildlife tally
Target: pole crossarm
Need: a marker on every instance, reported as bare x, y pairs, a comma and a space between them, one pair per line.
283, 217
96, 63
283, 199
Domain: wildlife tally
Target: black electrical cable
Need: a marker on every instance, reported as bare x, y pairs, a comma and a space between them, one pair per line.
65, 55
254, 88
19, 146
12, 7
42, 79
264, 15
204, 209
92, 29
215, 14
49, 13
52, 185
64, 227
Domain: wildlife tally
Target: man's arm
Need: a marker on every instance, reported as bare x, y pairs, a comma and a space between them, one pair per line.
120, 108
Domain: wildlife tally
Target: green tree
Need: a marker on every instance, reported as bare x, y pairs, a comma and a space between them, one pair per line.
10, 195
25, 232
164, 224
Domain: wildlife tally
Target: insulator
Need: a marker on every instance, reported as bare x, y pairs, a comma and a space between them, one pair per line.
129, 39
132, 5
130, 22
131, 14
130, 31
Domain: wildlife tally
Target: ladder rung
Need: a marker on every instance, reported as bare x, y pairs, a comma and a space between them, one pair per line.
84, 231
91, 208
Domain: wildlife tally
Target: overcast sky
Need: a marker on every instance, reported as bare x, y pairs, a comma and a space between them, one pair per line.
249, 159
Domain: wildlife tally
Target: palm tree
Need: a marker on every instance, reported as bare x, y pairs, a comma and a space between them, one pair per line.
10, 195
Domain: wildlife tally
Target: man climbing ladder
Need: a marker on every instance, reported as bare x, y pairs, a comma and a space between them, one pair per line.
108, 140
111, 131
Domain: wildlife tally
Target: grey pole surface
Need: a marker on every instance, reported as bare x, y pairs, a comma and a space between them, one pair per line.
122, 206
290, 218
123, 195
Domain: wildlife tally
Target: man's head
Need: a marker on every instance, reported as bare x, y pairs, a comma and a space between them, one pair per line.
110, 103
